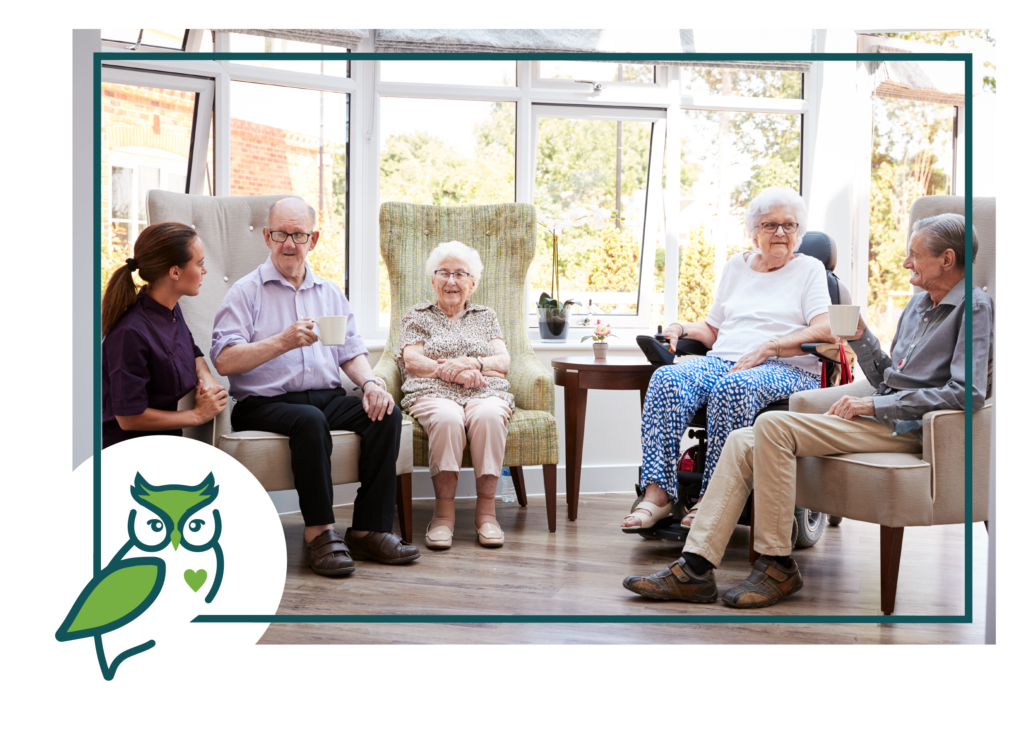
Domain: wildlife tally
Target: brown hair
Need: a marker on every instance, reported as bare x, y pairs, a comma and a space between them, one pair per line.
158, 248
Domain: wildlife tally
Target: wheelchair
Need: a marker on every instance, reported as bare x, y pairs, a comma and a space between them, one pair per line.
808, 525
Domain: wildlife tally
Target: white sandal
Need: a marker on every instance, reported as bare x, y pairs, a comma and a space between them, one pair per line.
654, 513
690, 514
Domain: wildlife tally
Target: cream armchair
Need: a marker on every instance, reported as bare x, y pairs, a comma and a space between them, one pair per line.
900, 490
231, 229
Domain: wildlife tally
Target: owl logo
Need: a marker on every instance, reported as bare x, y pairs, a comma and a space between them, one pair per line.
125, 588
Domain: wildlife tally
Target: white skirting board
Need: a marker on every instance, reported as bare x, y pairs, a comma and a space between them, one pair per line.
603, 479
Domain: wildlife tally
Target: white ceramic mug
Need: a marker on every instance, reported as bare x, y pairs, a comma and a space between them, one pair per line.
842, 320
332, 329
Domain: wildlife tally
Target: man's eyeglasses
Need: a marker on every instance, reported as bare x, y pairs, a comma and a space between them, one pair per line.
459, 276
282, 236
770, 228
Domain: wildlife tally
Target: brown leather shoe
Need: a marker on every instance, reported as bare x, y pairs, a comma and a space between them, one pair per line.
381, 546
768, 582
676, 582
327, 555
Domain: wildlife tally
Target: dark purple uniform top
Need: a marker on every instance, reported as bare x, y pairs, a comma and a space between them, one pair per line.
149, 361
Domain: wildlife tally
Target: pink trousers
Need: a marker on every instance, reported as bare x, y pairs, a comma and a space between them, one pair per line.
483, 420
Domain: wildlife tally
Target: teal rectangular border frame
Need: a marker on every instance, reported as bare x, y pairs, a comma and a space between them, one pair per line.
968, 617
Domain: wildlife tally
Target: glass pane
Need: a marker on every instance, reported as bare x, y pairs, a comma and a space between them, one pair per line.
169, 38
727, 159
146, 133
120, 192
206, 45
598, 71
449, 72
244, 43
444, 152
577, 167
912, 156
289, 140
742, 82
176, 183
127, 35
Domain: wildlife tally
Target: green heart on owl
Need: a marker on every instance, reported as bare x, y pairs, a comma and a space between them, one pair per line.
195, 579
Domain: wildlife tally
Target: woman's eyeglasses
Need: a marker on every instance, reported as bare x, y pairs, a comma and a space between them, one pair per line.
459, 276
771, 228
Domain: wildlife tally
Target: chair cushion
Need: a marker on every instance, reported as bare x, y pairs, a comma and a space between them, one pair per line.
532, 439
889, 489
268, 456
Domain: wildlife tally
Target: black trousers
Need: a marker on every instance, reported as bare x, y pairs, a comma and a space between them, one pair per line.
307, 418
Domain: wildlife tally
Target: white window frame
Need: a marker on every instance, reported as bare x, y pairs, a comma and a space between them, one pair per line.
662, 100
653, 201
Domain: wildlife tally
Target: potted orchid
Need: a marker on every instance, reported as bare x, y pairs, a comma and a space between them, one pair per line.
552, 314
600, 338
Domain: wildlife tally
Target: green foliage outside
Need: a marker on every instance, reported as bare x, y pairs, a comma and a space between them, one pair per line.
696, 276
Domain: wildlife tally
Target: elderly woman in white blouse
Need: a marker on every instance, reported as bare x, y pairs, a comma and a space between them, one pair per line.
453, 360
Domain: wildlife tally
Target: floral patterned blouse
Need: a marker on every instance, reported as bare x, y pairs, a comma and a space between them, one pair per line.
469, 336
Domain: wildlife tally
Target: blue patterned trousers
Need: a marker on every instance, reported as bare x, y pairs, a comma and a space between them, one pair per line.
678, 391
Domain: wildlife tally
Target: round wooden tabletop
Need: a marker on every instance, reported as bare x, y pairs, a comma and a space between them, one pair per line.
587, 362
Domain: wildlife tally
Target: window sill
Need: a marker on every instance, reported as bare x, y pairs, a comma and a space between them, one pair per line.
623, 341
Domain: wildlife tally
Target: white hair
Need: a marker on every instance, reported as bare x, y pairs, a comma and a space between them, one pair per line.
772, 197
455, 250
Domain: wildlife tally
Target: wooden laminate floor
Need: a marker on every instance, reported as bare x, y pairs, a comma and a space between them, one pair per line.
578, 570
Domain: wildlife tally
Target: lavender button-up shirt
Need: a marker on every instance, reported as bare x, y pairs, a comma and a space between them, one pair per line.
263, 304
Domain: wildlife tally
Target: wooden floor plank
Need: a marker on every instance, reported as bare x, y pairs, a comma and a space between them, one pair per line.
579, 570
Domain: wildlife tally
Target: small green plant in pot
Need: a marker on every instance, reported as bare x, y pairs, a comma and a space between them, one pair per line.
600, 338
553, 314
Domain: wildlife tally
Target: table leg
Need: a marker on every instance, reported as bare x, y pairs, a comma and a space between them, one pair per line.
575, 420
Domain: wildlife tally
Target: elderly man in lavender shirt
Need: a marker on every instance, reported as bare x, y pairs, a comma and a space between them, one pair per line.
287, 382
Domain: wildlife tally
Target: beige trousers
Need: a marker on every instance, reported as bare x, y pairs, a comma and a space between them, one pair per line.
483, 420
763, 459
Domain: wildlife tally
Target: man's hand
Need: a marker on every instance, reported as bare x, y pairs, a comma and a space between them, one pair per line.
861, 328
471, 378
449, 369
754, 358
673, 333
377, 402
849, 407
298, 335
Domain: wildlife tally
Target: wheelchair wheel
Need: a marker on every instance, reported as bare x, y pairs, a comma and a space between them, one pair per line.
835, 520
807, 527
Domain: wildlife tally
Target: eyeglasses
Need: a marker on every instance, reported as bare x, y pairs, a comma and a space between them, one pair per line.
282, 236
771, 228
459, 276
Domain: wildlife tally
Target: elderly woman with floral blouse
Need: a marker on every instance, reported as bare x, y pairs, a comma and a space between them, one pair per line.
453, 360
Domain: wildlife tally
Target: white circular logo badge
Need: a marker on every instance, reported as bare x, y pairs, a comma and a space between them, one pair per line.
185, 531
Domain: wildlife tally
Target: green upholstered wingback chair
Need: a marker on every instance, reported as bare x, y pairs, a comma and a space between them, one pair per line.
505, 236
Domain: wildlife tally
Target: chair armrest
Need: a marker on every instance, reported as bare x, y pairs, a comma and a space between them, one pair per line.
823, 350
819, 401
387, 370
533, 384
943, 448
691, 346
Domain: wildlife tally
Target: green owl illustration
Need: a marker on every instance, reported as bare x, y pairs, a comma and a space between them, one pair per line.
125, 588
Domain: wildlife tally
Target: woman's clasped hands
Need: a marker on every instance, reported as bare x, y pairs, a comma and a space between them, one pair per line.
211, 399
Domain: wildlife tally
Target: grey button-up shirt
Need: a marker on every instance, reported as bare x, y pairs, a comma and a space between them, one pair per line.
926, 369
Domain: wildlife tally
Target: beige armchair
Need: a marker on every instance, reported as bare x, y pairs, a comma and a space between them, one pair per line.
900, 490
231, 229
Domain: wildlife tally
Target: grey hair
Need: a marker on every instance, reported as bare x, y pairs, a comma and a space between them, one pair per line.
311, 214
455, 250
772, 197
948, 231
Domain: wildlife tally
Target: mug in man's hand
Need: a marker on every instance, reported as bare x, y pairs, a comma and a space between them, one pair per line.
842, 320
332, 329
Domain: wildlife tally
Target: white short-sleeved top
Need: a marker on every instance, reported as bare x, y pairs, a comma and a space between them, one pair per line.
752, 307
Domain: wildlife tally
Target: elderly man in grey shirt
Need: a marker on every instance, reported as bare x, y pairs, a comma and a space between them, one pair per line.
925, 371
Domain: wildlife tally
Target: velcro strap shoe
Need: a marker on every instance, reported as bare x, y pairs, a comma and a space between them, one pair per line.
676, 582
381, 546
768, 582
327, 555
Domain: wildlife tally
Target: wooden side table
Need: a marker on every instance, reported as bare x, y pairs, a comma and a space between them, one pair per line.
578, 374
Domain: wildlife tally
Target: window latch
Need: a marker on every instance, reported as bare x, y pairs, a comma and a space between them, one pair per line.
595, 85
